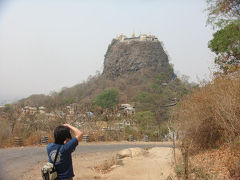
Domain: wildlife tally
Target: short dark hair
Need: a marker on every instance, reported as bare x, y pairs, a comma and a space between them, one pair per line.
61, 133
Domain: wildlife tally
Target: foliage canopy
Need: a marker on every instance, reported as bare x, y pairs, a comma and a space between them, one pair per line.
107, 98
226, 45
225, 14
222, 12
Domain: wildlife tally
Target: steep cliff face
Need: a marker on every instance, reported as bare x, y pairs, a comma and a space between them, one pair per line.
130, 56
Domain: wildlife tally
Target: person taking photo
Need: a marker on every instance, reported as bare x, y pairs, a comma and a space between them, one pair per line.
64, 144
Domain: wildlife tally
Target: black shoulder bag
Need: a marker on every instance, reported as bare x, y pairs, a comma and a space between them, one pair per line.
55, 159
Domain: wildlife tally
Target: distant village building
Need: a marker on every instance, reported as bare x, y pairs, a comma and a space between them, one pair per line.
51, 115
32, 110
72, 108
29, 110
25, 110
127, 108
41, 110
124, 123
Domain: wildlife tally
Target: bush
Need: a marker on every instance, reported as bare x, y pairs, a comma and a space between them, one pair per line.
4, 133
107, 98
210, 116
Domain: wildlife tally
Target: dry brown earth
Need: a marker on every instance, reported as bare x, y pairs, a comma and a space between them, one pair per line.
156, 163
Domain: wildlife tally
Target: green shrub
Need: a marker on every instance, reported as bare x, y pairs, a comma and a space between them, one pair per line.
106, 99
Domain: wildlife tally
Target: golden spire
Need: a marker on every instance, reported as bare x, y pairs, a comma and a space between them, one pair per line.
133, 35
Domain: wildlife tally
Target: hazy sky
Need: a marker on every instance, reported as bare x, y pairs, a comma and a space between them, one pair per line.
49, 44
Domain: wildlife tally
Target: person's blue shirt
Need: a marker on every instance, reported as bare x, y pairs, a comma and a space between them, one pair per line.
63, 163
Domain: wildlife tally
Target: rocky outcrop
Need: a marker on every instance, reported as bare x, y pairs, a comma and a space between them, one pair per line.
127, 57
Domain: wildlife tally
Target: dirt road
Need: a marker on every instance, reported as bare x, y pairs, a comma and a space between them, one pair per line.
15, 162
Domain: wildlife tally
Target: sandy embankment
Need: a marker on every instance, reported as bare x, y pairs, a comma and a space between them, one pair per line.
156, 163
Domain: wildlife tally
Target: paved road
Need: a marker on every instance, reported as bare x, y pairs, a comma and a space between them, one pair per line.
16, 161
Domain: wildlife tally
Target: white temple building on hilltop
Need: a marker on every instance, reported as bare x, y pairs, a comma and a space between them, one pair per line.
141, 37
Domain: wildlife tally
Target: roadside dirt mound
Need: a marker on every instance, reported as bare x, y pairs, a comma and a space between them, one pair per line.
155, 163
131, 152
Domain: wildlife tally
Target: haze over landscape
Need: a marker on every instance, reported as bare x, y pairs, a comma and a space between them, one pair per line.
149, 89
45, 46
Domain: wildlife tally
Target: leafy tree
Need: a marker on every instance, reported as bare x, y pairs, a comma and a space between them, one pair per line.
222, 12
70, 100
226, 45
107, 98
7, 108
148, 126
225, 14
142, 96
13, 112
160, 96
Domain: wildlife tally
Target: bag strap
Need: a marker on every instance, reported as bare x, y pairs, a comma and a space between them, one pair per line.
55, 159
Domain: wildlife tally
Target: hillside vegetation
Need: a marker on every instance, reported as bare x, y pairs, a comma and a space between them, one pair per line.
136, 74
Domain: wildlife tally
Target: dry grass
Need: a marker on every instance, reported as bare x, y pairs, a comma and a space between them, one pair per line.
209, 117
32, 139
208, 125
4, 134
106, 166
222, 162
35, 138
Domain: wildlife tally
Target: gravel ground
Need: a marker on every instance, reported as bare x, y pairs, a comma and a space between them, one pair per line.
16, 162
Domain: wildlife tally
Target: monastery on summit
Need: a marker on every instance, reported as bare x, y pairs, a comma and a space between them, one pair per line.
141, 37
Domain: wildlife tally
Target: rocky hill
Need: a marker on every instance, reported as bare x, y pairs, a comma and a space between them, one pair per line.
137, 87
128, 55
130, 66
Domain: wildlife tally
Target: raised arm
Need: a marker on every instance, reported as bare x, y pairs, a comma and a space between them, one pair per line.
78, 134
